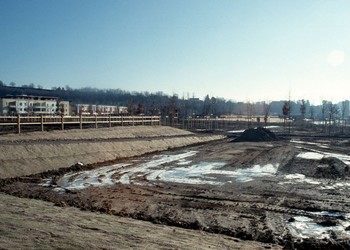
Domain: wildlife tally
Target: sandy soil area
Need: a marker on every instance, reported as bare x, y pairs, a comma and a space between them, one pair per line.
291, 193
36, 152
23, 227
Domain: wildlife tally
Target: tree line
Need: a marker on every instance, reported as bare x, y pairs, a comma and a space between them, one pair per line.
185, 106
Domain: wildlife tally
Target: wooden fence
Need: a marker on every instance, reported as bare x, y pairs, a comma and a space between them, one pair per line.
62, 121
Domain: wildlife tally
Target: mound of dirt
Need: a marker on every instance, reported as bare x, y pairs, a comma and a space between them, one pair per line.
331, 168
256, 135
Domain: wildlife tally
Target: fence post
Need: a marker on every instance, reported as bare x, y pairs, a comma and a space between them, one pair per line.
95, 121
42, 122
81, 121
110, 120
18, 123
62, 123
133, 121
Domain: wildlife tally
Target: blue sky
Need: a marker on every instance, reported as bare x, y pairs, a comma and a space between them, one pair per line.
247, 50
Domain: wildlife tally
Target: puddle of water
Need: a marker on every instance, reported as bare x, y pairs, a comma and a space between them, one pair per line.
306, 227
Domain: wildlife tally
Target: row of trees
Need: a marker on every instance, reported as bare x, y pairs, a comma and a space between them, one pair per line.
172, 105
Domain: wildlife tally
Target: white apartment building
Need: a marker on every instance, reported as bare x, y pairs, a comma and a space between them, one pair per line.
32, 105
90, 109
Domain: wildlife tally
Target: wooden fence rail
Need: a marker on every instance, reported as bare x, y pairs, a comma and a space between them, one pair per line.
110, 121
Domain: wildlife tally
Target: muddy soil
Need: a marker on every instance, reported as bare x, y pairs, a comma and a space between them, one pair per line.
291, 193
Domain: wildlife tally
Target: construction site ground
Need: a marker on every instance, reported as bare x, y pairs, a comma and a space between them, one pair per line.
203, 191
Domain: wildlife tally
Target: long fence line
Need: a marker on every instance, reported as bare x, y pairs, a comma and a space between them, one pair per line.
16, 123
219, 123
62, 121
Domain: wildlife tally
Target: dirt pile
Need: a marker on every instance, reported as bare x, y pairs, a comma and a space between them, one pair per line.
331, 168
256, 135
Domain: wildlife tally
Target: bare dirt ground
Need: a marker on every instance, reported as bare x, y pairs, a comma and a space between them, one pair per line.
292, 193
34, 224
35, 152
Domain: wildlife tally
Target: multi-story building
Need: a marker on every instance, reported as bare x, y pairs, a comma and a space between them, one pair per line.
90, 109
32, 105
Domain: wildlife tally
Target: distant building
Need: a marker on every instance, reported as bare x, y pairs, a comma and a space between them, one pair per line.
122, 110
32, 105
91, 109
346, 109
64, 108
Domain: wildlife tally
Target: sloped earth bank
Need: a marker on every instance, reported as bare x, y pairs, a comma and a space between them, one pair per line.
31, 153
291, 193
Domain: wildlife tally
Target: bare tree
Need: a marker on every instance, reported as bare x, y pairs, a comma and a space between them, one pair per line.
131, 106
343, 112
332, 110
286, 109
266, 107
323, 110
303, 108
250, 112
312, 113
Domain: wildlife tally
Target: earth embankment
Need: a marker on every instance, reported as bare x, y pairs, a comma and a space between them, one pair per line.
31, 153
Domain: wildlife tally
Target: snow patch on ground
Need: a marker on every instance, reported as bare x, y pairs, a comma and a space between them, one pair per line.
322, 184
96, 177
310, 155
167, 168
314, 154
299, 178
310, 143
306, 227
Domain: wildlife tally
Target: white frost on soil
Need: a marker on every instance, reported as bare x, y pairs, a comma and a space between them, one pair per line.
323, 184
339, 186
306, 227
236, 131
310, 155
242, 130
299, 178
168, 168
310, 143
314, 154
203, 173
248, 174
97, 177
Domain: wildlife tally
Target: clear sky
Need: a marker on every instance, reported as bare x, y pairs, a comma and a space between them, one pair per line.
247, 50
